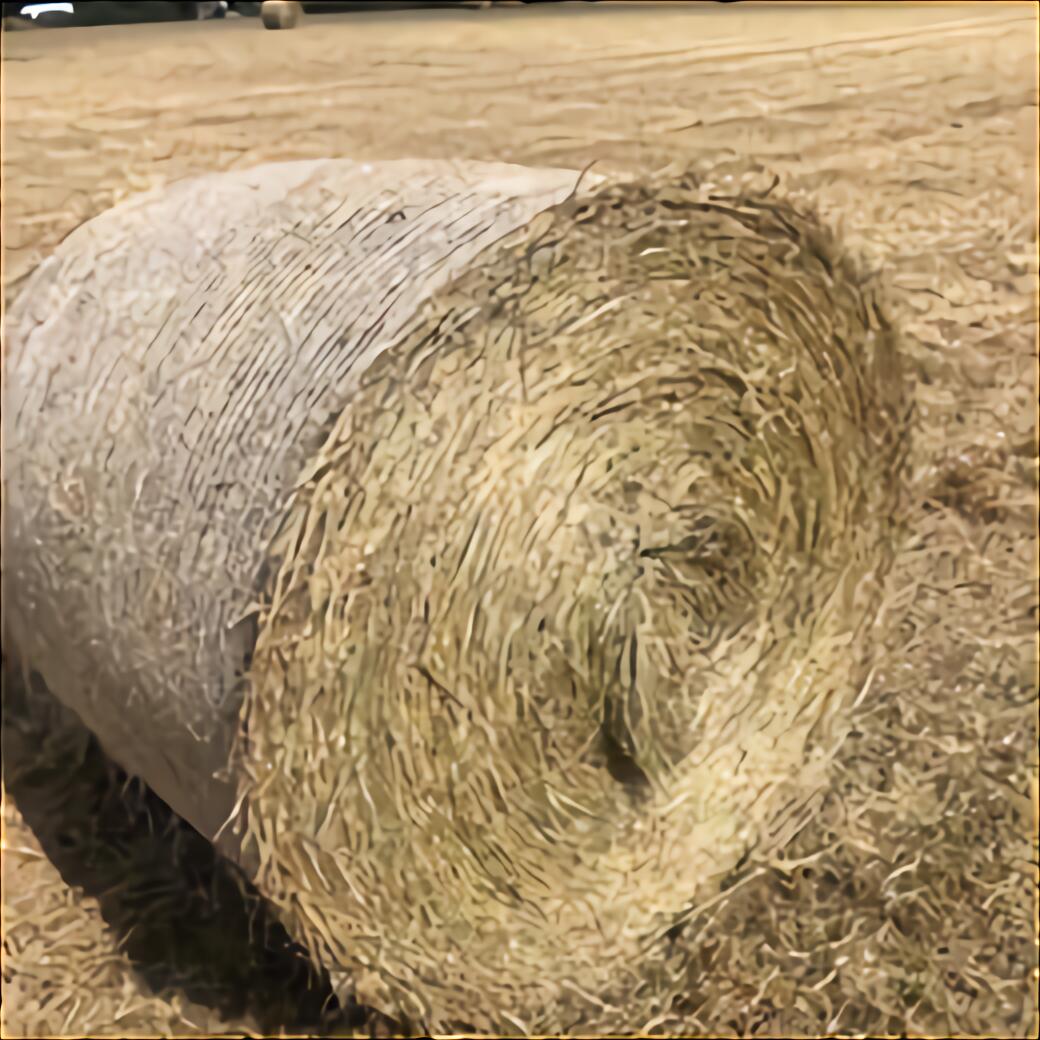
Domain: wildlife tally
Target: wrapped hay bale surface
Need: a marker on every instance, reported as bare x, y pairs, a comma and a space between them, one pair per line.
570, 608
487, 560
169, 370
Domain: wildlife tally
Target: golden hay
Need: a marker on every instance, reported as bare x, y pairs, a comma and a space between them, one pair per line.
908, 905
569, 614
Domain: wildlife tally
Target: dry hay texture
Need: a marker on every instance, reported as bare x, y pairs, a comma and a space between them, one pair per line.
902, 904
907, 903
568, 615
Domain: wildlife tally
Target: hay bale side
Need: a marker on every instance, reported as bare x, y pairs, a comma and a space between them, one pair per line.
169, 371
570, 609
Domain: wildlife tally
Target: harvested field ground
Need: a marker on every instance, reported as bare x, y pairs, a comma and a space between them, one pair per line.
908, 904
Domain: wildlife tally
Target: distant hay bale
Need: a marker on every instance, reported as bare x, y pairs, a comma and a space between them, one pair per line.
569, 611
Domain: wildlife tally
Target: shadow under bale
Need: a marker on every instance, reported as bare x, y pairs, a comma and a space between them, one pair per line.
570, 610
188, 920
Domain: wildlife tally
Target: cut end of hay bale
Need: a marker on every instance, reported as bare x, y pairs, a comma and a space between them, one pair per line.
568, 614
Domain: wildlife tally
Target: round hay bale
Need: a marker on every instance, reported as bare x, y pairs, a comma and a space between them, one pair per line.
569, 609
169, 372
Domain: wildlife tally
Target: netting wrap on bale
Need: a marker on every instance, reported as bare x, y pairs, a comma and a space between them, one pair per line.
168, 372
569, 611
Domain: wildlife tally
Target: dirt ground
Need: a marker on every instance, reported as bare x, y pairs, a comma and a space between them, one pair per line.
913, 130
